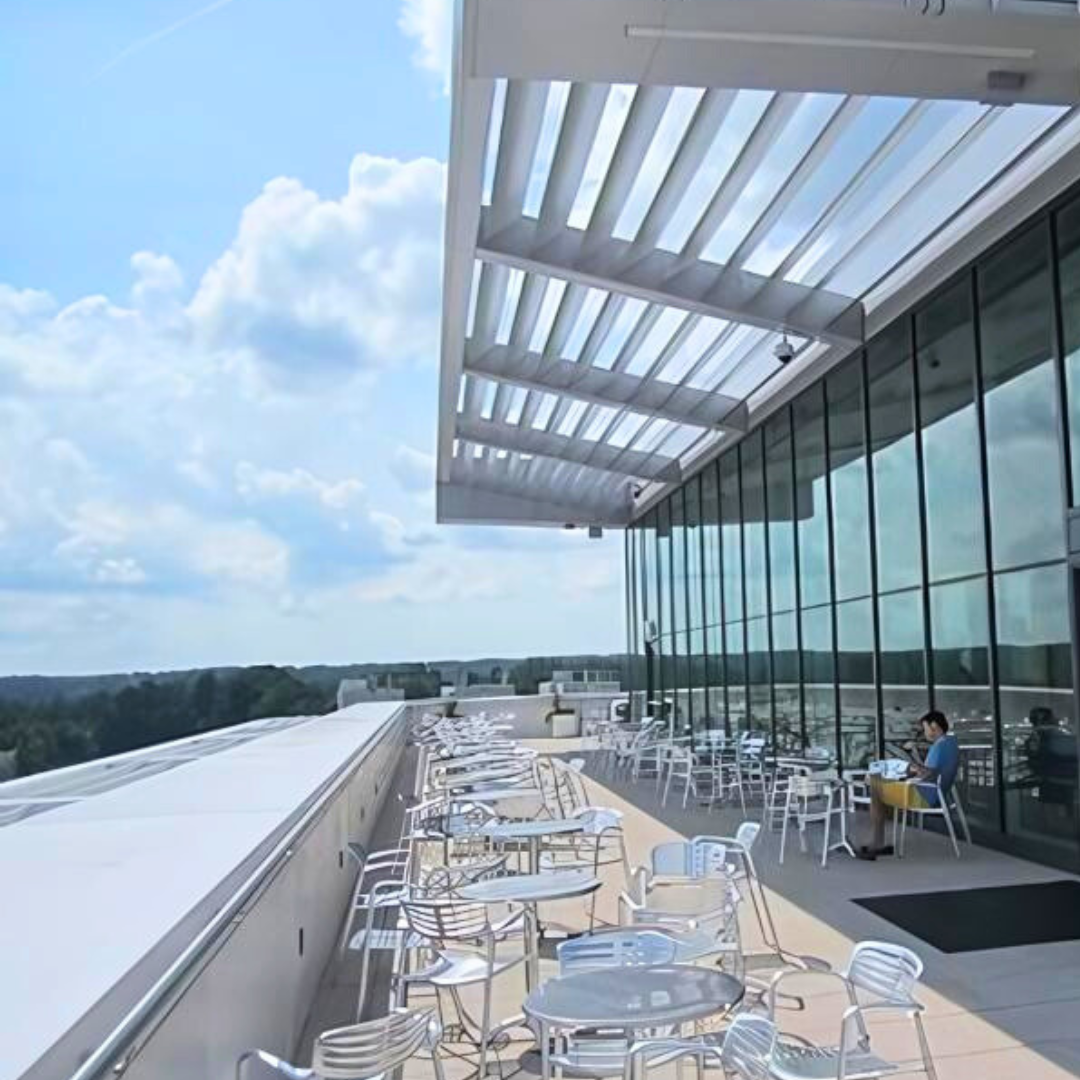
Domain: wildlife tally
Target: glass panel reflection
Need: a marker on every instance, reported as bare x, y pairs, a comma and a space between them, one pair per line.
663, 564
710, 522
695, 596
847, 460
819, 679
781, 508
715, 701
753, 492
731, 532
759, 675
902, 665
1023, 463
959, 628
787, 706
1038, 736
894, 460
735, 641
811, 498
1068, 243
855, 672
945, 342
678, 561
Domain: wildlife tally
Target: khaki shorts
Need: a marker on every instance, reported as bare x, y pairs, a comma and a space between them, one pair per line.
901, 795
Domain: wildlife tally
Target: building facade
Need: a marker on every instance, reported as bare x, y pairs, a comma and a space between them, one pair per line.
896, 538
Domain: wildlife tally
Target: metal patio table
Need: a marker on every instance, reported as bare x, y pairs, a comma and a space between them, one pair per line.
630, 998
531, 890
533, 832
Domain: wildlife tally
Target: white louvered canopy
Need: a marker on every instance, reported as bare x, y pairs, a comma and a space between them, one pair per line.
622, 258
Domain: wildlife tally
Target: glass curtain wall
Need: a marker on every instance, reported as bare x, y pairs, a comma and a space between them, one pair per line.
893, 539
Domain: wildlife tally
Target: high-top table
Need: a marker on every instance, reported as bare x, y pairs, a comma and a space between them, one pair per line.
532, 831
630, 998
531, 890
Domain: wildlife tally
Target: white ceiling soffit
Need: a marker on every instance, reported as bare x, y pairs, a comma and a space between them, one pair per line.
627, 245
969, 52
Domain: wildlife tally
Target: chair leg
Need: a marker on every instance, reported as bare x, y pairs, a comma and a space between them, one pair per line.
949, 825
783, 834
962, 816
828, 822
924, 1047
485, 1023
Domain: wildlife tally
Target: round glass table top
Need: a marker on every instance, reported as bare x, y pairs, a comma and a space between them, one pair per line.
634, 997
516, 830
532, 888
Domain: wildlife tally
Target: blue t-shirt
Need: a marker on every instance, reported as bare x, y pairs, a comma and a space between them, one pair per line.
944, 758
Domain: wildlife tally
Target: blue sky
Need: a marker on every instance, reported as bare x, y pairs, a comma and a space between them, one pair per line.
219, 304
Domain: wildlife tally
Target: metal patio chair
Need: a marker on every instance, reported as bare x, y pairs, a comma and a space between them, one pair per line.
364, 1051
880, 978
461, 940
813, 799
600, 1052
742, 1051
601, 843
943, 810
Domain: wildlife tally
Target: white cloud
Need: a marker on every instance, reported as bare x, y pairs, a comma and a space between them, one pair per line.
124, 571
186, 471
254, 483
321, 289
413, 469
430, 23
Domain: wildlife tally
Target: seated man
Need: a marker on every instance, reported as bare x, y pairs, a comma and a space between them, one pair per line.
942, 762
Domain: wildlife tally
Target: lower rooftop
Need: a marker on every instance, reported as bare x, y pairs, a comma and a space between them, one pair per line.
190, 992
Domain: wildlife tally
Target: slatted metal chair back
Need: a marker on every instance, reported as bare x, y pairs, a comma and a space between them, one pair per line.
697, 858
598, 819
447, 920
617, 948
443, 880
747, 833
368, 1049
708, 857
886, 971
748, 1047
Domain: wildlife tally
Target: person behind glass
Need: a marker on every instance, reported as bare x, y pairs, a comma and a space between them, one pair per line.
941, 765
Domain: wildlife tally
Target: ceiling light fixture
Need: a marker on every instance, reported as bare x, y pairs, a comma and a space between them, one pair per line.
756, 37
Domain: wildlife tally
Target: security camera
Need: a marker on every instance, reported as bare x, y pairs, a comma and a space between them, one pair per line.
784, 351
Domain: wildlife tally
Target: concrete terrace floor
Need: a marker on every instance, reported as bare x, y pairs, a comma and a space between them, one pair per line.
1004, 1014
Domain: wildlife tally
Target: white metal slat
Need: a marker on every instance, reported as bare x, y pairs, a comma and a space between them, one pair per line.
641, 329
677, 339
777, 115
645, 115
569, 309
579, 128
532, 296
833, 211
841, 120
600, 329
709, 115
491, 295
523, 115
977, 130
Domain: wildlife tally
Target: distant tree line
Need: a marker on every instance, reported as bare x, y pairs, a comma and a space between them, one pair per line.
50, 734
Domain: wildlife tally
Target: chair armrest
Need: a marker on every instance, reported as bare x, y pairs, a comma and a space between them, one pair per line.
908, 1007
670, 1050
508, 925
391, 887
787, 973
270, 1061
